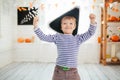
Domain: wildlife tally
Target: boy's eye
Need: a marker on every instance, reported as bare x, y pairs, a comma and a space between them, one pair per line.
71, 23
64, 23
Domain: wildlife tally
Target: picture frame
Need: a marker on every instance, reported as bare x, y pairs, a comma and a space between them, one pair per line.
25, 15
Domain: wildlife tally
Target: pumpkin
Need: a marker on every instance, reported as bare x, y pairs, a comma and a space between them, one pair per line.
107, 5
27, 40
114, 59
110, 1
115, 38
99, 39
20, 40
112, 18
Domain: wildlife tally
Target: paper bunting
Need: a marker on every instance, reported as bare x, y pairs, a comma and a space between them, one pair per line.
30, 5
94, 1
73, 3
93, 6
56, 5
42, 6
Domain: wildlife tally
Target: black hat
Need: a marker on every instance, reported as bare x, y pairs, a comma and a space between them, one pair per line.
56, 24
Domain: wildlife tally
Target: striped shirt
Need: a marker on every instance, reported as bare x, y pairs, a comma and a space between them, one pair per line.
67, 45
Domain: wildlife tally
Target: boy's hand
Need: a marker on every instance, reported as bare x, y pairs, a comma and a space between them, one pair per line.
92, 18
35, 22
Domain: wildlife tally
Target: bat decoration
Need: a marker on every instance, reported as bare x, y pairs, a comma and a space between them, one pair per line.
26, 15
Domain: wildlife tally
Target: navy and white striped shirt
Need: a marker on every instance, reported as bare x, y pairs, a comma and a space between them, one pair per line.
67, 45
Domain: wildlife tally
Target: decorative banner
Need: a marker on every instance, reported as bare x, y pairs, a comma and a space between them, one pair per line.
25, 15
94, 1
73, 3
42, 6
30, 5
93, 6
56, 5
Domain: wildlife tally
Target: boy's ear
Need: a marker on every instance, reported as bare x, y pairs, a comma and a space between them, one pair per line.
75, 27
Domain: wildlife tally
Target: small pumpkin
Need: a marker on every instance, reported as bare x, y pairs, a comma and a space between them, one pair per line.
107, 5
115, 38
99, 39
28, 40
20, 40
113, 18
114, 59
110, 1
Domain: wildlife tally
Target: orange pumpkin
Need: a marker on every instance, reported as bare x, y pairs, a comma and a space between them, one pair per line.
20, 40
107, 5
113, 18
110, 1
115, 38
99, 39
114, 59
27, 40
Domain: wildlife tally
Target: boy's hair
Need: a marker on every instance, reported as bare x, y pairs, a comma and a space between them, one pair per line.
68, 17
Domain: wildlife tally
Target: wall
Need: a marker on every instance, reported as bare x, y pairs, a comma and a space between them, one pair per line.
40, 51
47, 52
6, 39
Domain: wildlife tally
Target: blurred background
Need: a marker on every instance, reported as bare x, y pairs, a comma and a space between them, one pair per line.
18, 43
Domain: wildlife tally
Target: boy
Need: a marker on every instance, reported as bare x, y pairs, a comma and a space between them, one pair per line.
67, 42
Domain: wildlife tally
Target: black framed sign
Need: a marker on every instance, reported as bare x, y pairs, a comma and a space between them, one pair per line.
25, 15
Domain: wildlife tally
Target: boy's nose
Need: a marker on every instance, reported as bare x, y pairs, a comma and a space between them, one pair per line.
68, 24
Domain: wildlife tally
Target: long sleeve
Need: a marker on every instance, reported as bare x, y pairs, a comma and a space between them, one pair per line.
44, 37
85, 36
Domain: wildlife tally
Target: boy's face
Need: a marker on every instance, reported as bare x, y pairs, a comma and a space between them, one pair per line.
68, 26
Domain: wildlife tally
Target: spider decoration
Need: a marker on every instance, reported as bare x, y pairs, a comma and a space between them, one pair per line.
26, 15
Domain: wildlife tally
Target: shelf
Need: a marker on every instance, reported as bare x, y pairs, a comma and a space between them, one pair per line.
113, 63
113, 21
113, 42
110, 63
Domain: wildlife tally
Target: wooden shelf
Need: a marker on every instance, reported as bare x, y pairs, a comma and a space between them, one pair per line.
113, 21
113, 42
105, 43
113, 63
113, 0
104, 62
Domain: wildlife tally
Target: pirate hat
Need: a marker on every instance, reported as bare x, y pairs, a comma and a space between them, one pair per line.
56, 24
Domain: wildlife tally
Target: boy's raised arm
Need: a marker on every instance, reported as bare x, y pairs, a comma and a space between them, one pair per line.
35, 22
85, 36
40, 34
